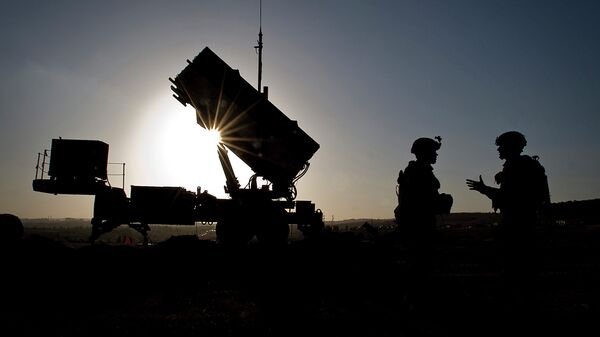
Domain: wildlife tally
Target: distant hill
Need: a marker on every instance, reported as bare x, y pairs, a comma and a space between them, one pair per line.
568, 212
453, 219
56, 222
577, 211
565, 213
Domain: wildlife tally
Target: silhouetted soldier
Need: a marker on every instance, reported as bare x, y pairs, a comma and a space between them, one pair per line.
419, 203
521, 198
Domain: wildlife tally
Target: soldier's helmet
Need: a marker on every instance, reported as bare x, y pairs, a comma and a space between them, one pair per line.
512, 139
423, 145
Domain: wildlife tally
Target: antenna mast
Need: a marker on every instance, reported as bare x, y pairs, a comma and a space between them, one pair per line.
259, 47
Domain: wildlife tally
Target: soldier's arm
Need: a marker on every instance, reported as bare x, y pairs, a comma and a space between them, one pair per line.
481, 187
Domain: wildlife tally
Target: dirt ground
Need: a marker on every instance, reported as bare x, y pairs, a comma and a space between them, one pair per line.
343, 284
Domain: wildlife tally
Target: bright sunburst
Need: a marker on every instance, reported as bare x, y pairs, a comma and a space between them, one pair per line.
211, 137
173, 150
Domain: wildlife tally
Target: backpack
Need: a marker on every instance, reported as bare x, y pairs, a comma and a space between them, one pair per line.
541, 193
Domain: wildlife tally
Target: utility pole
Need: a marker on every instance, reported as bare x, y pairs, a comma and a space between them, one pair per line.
259, 48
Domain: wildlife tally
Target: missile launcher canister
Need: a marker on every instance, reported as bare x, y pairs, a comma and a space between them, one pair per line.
271, 144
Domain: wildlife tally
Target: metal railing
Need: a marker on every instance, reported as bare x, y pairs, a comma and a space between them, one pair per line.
118, 174
43, 160
42, 168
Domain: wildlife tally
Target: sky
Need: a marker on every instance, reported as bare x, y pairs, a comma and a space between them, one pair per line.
363, 78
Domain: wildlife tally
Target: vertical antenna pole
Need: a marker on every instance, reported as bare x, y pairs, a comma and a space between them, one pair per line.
260, 47
44, 162
37, 166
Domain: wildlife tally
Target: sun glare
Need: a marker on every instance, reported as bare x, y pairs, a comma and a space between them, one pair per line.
171, 149
211, 137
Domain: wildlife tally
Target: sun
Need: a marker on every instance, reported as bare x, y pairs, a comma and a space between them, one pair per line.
211, 138
173, 150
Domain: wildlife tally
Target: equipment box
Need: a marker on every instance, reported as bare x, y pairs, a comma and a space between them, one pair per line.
78, 159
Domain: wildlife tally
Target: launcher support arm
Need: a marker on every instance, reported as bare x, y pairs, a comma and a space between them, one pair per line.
232, 184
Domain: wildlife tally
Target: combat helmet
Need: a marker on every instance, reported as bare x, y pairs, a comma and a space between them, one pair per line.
424, 144
512, 139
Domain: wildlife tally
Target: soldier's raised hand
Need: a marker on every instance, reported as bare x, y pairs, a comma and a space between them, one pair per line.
476, 185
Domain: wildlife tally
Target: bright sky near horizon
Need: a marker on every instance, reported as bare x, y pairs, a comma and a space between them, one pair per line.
362, 78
